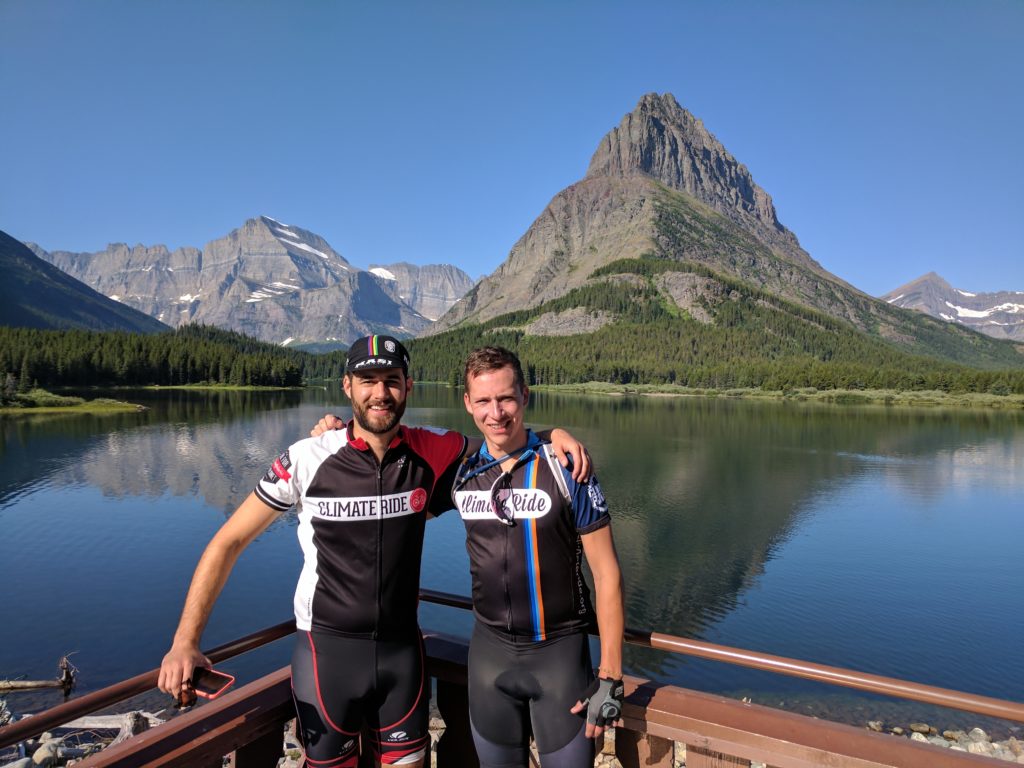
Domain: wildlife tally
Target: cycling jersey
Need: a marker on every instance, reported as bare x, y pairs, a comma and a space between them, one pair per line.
361, 525
527, 578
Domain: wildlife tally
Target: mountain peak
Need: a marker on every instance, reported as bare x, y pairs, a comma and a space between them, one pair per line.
930, 281
999, 314
662, 140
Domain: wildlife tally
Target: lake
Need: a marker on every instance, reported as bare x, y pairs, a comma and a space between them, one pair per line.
884, 540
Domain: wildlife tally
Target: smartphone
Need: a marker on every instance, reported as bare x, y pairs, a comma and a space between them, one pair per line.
209, 683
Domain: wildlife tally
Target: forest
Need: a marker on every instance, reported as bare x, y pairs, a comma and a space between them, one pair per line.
756, 339
190, 355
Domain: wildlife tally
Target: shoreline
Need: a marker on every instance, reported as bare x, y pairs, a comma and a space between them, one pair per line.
214, 387
51, 403
883, 397
39, 401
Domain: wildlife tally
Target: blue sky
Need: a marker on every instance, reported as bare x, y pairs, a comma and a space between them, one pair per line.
888, 133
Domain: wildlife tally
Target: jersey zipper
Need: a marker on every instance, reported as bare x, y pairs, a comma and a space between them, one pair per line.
504, 576
380, 544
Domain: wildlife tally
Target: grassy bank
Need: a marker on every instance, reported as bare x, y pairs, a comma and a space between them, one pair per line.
927, 398
40, 401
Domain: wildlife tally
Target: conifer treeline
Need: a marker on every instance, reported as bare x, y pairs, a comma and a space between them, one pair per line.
757, 340
189, 355
660, 353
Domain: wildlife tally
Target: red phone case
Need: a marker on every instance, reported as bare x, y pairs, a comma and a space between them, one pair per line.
210, 683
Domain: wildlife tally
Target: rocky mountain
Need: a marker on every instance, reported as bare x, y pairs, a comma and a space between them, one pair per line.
273, 281
430, 290
35, 294
658, 181
999, 314
661, 186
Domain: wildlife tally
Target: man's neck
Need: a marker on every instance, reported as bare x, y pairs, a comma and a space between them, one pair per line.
378, 443
508, 448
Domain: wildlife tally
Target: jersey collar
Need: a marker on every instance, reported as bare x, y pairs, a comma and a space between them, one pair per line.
361, 445
532, 442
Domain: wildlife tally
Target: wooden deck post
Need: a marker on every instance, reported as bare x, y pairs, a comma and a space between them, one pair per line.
455, 747
642, 750
263, 752
699, 757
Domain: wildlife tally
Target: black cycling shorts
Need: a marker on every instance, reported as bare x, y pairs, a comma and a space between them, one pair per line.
340, 683
516, 690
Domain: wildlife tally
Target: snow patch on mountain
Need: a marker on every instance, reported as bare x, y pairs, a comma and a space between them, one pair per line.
965, 312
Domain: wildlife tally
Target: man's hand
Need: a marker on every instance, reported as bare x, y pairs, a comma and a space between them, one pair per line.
177, 668
326, 424
565, 444
603, 703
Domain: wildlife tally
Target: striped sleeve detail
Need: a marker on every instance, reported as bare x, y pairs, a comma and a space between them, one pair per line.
263, 496
279, 487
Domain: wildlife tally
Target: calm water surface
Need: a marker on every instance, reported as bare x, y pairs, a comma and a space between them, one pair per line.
889, 541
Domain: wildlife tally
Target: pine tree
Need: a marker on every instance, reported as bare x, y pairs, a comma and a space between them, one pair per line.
25, 378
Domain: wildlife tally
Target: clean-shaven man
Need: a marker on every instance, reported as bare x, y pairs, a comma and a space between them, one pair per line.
527, 524
363, 494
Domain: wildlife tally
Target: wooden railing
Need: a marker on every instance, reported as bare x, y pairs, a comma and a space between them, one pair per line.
657, 719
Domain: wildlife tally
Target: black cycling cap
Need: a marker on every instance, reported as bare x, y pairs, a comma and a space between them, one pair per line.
375, 353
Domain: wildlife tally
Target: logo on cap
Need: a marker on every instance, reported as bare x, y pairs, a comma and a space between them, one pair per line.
389, 345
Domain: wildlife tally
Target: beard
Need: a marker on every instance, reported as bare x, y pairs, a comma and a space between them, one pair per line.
378, 422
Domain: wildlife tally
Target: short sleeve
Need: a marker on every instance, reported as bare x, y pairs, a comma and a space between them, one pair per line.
279, 488
589, 506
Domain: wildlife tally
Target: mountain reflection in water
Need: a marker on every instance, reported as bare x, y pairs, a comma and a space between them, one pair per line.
877, 539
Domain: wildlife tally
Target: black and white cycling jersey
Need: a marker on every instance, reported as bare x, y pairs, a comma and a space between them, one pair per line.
361, 525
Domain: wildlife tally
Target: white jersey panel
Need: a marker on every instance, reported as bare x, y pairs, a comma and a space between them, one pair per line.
282, 487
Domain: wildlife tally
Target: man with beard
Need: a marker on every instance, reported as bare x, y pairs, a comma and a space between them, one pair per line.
363, 495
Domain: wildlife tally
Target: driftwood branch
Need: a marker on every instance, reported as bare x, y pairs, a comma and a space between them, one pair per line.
111, 722
28, 685
65, 680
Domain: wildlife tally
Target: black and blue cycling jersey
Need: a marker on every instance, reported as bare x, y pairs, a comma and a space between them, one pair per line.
527, 577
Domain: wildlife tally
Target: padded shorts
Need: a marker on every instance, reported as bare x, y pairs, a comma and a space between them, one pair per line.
340, 683
516, 690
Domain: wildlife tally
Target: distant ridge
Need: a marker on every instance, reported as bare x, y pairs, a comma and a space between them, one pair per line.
431, 289
34, 294
999, 314
273, 281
